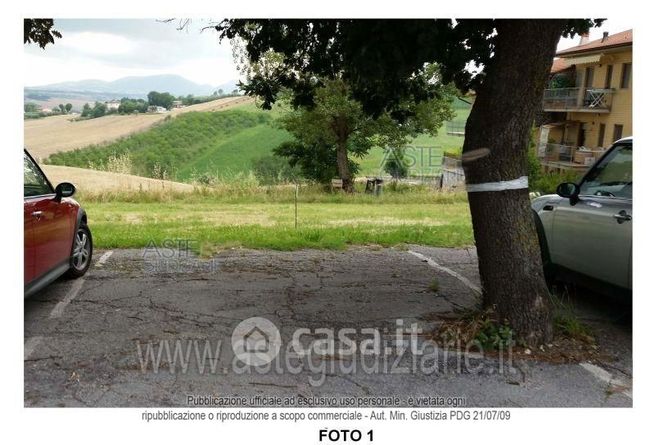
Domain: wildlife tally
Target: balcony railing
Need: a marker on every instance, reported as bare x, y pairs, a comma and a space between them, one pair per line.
568, 156
577, 99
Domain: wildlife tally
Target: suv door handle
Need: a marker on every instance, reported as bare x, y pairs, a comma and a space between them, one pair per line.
622, 217
37, 214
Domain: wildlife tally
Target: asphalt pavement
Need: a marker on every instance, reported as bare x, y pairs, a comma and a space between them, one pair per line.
157, 327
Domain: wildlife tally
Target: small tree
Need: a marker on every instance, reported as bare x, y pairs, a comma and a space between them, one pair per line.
158, 99
395, 163
86, 110
68, 107
336, 123
99, 110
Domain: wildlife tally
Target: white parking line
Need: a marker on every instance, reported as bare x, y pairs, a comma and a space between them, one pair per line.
58, 310
105, 256
450, 272
605, 377
30, 345
72, 293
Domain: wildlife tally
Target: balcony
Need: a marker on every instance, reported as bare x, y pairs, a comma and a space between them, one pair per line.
558, 157
590, 100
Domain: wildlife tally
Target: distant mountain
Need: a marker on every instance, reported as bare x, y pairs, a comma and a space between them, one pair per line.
133, 86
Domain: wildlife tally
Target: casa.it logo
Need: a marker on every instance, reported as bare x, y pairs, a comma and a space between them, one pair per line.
256, 341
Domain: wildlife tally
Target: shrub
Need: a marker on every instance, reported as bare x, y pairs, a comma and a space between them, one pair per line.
271, 170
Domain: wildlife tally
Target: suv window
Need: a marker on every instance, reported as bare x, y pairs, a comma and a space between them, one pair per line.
35, 183
612, 176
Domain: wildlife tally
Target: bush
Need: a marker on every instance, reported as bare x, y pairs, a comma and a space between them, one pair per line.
396, 163
543, 182
271, 170
547, 183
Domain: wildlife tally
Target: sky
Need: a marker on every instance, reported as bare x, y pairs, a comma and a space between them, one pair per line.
108, 49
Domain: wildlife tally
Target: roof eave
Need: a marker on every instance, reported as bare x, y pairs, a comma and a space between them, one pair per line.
599, 49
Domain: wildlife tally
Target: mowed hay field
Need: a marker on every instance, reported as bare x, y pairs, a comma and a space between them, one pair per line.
49, 135
94, 181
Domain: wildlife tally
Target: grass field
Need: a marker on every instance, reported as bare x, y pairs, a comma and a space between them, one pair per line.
265, 219
49, 135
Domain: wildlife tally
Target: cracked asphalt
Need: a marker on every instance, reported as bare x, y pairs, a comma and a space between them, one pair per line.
96, 349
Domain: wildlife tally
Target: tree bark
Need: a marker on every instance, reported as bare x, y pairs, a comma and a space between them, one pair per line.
500, 120
340, 127
344, 167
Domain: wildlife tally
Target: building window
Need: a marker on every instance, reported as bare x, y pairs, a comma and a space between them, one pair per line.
601, 135
618, 132
608, 76
589, 77
625, 75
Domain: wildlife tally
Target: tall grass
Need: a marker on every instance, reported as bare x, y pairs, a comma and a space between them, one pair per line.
245, 189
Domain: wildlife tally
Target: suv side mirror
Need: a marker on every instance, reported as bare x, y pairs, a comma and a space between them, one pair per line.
569, 190
64, 190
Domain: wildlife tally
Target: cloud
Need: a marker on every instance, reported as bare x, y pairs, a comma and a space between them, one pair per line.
97, 43
111, 48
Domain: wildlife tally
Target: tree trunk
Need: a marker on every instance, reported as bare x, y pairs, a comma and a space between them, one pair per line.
500, 120
342, 132
344, 167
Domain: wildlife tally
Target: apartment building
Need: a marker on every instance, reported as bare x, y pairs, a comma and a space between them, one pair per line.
588, 103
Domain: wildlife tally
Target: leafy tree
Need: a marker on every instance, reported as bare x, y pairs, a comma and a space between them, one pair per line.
220, 92
161, 99
315, 161
337, 122
86, 110
99, 109
62, 108
39, 31
380, 58
30, 107
68, 107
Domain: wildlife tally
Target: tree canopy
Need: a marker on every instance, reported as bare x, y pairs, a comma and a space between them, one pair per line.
380, 59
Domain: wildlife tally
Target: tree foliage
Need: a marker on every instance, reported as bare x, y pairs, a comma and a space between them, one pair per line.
129, 106
158, 99
337, 123
379, 59
99, 109
39, 31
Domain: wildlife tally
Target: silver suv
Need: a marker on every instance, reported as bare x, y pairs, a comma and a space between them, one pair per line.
585, 231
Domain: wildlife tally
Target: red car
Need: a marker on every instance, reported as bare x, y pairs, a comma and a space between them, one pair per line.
57, 238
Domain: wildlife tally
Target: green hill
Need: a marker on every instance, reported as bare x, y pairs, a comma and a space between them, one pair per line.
224, 144
219, 143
